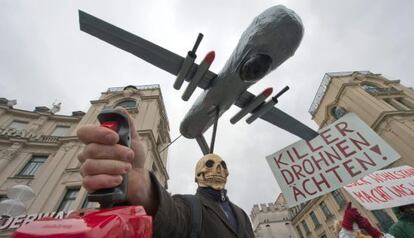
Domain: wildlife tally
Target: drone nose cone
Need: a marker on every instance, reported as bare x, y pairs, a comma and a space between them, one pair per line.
286, 21
281, 9
271, 38
282, 12
279, 31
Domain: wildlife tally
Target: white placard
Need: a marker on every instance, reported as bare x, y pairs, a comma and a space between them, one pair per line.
385, 188
344, 152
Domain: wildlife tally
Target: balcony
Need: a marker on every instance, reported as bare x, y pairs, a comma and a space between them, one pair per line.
49, 139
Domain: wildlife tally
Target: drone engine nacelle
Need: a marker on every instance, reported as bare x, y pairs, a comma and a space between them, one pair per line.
252, 105
187, 64
185, 69
202, 69
266, 106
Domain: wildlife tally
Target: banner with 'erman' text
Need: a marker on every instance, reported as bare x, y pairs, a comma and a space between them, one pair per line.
344, 152
12, 223
385, 188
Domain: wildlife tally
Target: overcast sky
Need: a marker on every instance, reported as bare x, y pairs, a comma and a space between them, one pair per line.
44, 58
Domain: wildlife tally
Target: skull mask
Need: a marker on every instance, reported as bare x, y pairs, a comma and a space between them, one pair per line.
211, 171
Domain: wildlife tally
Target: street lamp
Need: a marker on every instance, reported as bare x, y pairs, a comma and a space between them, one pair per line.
14, 206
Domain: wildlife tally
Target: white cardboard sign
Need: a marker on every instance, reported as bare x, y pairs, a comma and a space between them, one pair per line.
344, 152
385, 188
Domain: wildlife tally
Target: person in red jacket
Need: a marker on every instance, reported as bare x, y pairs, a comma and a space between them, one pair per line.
351, 217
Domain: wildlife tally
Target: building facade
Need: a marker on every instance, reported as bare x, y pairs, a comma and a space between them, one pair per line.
388, 108
272, 220
39, 148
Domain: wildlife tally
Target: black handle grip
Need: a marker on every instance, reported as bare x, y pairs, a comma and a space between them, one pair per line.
117, 121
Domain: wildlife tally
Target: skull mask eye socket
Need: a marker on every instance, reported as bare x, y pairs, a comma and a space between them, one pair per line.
209, 163
223, 164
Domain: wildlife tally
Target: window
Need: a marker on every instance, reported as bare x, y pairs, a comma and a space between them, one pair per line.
130, 87
33, 165
18, 125
299, 231
129, 103
339, 198
68, 199
315, 220
305, 227
328, 214
370, 87
384, 219
338, 112
88, 204
60, 131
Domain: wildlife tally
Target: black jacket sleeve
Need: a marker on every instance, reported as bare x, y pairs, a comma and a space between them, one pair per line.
173, 217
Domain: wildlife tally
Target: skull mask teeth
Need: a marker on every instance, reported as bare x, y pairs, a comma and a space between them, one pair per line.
211, 171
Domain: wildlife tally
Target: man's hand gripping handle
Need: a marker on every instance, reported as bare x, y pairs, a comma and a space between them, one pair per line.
118, 122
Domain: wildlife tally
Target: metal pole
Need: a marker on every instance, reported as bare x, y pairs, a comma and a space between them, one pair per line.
213, 136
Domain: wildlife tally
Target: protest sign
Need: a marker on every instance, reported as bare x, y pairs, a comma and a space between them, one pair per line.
385, 188
345, 151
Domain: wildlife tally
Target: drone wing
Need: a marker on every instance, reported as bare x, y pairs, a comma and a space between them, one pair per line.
280, 119
146, 50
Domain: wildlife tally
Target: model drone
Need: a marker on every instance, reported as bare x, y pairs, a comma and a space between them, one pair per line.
271, 38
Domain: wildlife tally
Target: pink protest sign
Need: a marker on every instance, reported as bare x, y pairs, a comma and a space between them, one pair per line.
385, 188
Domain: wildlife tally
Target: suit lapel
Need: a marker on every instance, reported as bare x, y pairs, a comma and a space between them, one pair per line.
241, 220
216, 208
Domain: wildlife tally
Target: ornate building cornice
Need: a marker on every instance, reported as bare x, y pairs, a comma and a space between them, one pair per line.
36, 115
323, 87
